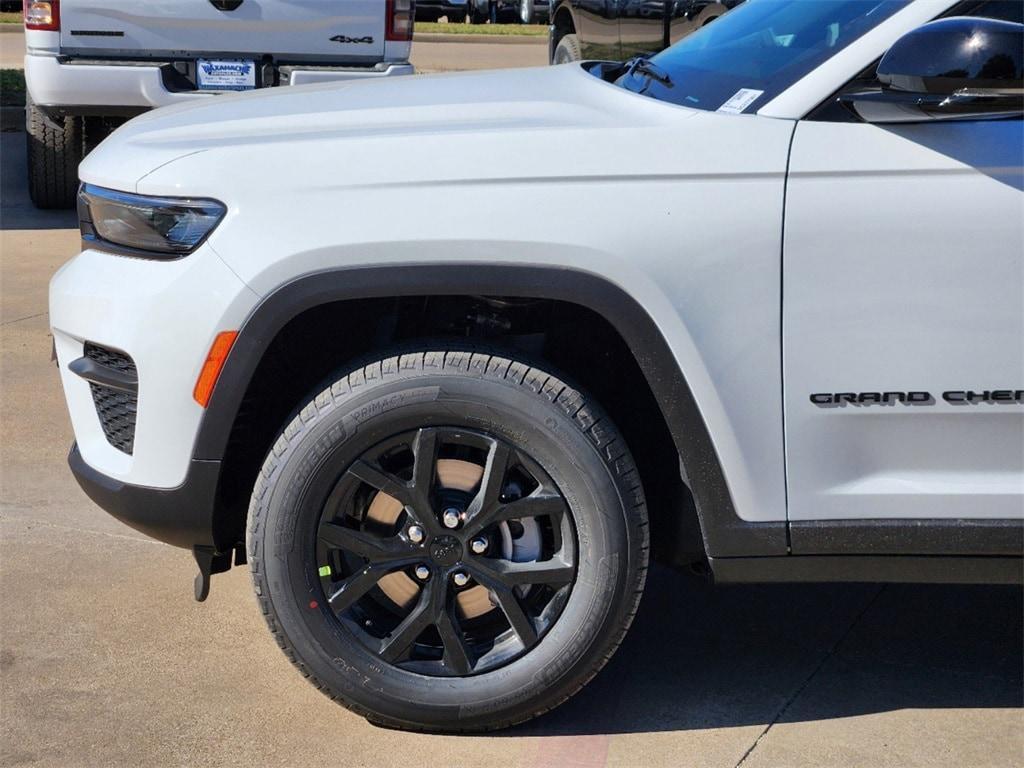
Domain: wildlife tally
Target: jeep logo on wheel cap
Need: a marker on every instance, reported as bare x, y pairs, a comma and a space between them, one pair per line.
446, 550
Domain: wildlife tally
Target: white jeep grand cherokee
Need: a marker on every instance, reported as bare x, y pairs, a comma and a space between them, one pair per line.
765, 318
91, 64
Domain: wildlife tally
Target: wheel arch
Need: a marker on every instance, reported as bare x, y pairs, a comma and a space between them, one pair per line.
723, 532
562, 22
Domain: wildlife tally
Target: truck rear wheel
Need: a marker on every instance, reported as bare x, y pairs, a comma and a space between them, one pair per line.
448, 540
54, 152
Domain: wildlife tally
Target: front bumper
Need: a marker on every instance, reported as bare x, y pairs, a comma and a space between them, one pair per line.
164, 315
181, 516
128, 87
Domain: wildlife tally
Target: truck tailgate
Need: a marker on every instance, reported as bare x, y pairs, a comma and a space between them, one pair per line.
291, 30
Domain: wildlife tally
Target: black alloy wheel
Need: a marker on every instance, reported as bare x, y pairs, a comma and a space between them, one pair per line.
410, 586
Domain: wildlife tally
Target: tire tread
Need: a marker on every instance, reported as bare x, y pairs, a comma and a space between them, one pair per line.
53, 157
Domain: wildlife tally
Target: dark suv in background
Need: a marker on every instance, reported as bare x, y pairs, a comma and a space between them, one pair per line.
621, 29
483, 11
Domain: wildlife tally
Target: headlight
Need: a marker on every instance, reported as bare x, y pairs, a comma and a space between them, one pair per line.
138, 225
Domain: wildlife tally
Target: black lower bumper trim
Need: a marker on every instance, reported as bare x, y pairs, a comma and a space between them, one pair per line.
181, 516
60, 111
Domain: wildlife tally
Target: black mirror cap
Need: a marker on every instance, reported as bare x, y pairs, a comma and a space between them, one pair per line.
960, 53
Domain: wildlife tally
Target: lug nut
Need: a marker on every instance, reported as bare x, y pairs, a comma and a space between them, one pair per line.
478, 545
460, 579
451, 518
422, 572
415, 534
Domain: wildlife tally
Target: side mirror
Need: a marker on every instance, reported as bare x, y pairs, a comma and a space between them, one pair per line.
960, 68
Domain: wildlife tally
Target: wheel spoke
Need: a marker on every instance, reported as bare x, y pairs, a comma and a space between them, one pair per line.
354, 587
382, 481
424, 451
535, 505
487, 497
521, 624
456, 655
376, 549
554, 572
395, 646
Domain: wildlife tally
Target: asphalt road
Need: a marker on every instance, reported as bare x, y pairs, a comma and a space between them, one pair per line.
106, 660
426, 57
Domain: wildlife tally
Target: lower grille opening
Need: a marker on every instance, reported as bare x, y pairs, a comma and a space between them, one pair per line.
116, 408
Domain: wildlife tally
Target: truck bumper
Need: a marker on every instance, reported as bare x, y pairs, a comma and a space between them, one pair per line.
116, 88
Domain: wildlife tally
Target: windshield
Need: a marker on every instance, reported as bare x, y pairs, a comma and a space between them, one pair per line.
753, 53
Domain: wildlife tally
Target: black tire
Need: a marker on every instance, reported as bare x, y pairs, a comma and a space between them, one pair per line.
572, 443
567, 50
457, 17
54, 152
476, 16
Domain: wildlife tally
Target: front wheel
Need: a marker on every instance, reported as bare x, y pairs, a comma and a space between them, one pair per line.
567, 50
449, 540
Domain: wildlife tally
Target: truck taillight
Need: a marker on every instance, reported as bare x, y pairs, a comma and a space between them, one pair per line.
400, 15
42, 16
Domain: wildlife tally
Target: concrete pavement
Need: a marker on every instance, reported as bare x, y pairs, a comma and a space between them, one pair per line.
105, 659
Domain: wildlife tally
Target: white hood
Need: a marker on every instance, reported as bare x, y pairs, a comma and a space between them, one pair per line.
410, 115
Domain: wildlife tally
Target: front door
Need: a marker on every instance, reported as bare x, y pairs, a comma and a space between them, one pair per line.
903, 321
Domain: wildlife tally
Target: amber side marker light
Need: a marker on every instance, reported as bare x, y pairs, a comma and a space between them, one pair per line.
212, 366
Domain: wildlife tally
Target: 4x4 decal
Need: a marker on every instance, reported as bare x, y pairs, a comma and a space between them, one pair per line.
345, 40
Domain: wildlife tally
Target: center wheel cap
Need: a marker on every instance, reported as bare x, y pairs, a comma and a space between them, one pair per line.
446, 551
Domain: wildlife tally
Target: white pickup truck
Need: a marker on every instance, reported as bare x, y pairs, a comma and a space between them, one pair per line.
89, 65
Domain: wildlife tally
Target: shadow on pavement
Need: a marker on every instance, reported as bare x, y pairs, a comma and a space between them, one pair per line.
703, 657
17, 211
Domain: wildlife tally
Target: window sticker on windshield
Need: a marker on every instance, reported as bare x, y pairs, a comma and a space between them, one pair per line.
740, 100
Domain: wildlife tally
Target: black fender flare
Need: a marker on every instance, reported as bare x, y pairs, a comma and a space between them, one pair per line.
725, 534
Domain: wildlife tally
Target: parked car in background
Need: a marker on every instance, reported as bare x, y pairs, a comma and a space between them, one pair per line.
505, 11
88, 66
616, 30
457, 11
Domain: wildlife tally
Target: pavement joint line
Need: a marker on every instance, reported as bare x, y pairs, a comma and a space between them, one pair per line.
830, 653
20, 319
60, 527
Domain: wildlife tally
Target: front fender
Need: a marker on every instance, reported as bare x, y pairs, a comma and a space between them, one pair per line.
725, 533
